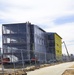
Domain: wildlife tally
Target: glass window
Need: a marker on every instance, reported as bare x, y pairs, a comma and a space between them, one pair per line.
13, 28
8, 40
22, 28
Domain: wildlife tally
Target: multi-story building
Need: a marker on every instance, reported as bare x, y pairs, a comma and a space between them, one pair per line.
30, 41
26, 37
55, 45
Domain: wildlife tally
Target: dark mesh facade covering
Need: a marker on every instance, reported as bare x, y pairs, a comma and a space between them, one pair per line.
26, 37
51, 45
28, 40
16, 37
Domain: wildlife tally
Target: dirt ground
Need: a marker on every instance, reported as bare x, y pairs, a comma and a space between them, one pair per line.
69, 71
72, 66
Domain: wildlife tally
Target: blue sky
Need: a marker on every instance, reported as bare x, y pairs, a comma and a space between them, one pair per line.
51, 15
64, 19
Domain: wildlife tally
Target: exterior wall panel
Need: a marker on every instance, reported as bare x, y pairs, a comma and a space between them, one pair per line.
58, 47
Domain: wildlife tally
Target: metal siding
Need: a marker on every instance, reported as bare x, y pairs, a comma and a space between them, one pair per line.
58, 47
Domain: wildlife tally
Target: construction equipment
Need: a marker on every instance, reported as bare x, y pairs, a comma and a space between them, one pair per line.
66, 50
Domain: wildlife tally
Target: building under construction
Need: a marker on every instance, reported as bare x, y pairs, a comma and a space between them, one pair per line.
31, 41
55, 45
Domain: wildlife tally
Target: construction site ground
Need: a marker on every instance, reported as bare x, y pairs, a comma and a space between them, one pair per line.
23, 71
69, 71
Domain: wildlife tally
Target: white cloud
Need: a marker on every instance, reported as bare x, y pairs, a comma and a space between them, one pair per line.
40, 12
37, 9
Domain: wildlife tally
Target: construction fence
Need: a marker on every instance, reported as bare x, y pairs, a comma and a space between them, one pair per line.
20, 59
